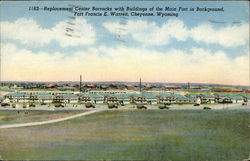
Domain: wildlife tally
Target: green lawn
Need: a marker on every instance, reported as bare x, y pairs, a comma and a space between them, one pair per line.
135, 135
23, 116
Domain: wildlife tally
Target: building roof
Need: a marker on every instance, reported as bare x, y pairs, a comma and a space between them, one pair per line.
110, 95
94, 95
51, 86
177, 95
90, 85
207, 95
165, 95
67, 95
67, 88
123, 95
149, 95
135, 95
43, 94
172, 87
246, 96
130, 86
18, 95
191, 95
221, 94
235, 97
186, 99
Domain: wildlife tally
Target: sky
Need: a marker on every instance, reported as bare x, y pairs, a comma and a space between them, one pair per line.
195, 46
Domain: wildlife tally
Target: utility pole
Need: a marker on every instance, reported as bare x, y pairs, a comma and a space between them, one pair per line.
0, 66
0, 63
80, 83
140, 85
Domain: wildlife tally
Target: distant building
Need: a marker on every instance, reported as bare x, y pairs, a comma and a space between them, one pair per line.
228, 90
110, 98
222, 98
44, 97
207, 98
192, 95
32, 98
166, 98
83, 98
114, 86
236, 98
18, 97
67, 88
235, 90
91, 86
187, 100
104, 87
145, 98
51, 86
96, 97
65, 98
2, 99
246, 97
150, 98
148, 86
16, 87
172, 87
130, 87
108, 92
124, 98
138, 98
57, 99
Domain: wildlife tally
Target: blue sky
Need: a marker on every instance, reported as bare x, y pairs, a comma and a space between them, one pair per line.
174, 42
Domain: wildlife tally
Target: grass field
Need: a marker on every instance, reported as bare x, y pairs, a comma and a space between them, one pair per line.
135, 135
24, 116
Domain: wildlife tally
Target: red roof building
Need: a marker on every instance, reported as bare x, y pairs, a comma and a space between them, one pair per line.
172, 87
51, 86
90, 86
130, 87
235, 90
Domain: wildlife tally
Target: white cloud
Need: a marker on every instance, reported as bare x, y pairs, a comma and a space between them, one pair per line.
29, 32
83, 34
125, 64
229, 36
26, 31
151, 33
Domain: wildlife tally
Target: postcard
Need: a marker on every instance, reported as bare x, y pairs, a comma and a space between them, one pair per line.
124, 80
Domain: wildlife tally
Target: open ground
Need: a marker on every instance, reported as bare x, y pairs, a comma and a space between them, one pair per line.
132, 134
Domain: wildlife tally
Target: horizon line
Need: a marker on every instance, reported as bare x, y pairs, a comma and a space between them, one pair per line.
132, 82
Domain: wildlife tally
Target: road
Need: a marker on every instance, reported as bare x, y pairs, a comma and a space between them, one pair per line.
104, 108
151, 107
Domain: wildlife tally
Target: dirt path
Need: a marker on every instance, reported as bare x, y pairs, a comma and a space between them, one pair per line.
49, 121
